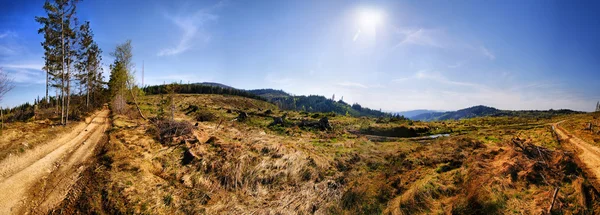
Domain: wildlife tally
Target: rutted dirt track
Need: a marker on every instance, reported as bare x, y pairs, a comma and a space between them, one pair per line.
588, 155
39, 179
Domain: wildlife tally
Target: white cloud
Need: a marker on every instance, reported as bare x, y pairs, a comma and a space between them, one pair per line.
356, 35
456, 65
192, 27
6, 51
23, 66
486, 52
278, 79
7, 34
352, 84
423, 37
448, 94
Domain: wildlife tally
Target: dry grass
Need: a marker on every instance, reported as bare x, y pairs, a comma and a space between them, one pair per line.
249, 168
18, 137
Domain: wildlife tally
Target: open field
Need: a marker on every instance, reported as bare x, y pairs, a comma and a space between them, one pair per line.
492, 165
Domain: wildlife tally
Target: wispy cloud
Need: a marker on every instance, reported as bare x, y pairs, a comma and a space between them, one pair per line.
192, 27
486, 52
352, 84
278, 79
23, 66
6, 51
456, 65
423, 37
7, 34
451, 94
356, 35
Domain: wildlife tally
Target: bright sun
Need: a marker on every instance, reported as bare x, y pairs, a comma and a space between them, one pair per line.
369, 18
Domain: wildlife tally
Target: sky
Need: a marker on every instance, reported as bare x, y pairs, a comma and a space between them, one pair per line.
389, 55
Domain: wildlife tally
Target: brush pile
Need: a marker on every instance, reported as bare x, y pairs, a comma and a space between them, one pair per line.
171, 131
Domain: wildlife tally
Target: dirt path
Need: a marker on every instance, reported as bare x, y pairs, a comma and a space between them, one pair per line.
38, 180
588, 155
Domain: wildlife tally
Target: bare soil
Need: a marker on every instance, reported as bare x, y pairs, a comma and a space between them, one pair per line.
39, 179
588, 155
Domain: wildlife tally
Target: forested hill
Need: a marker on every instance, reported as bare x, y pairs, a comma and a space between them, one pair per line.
480, 110
283, 100
199, 88
269, 93
314, 103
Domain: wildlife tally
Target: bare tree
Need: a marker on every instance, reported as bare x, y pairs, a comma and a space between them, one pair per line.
6, 84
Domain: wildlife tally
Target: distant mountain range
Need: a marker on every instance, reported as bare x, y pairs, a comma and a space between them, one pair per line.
480, 111
412, 113
314, 103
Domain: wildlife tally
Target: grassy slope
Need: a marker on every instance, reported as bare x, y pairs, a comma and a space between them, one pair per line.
248, 167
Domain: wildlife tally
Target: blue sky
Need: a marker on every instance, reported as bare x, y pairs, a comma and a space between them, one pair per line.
393, 55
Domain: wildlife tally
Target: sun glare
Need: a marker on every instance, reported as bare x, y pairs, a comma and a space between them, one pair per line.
369, 18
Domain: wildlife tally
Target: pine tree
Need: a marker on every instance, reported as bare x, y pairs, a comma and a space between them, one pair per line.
59, 41
89, 60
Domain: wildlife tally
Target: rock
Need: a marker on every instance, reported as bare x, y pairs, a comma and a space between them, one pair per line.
324, 123
211, 140
242, 116
279, 120
188, 157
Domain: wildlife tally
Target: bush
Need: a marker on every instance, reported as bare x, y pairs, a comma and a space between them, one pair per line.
170, 131
205, 116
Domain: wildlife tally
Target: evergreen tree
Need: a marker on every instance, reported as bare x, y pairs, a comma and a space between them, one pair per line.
59, 41
89, 60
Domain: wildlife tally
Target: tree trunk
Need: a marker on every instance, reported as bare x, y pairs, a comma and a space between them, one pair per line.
47, 99
87, 96
172, 107
62, 86
136, 104
56, 101
68, 90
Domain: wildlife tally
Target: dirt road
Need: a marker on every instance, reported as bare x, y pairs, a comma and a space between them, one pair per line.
588, 155
39, 179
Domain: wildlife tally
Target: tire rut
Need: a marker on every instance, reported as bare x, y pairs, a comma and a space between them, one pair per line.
35, 182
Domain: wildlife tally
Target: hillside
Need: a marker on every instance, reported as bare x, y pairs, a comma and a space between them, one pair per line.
280, 98
210, 160
314, 103
214, 84
269, 93
481, 111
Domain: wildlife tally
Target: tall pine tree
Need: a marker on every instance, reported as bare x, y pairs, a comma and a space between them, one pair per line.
59, 41
89, 60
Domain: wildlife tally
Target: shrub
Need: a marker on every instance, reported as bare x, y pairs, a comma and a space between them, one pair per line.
205, 116
170, 130
168, 199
